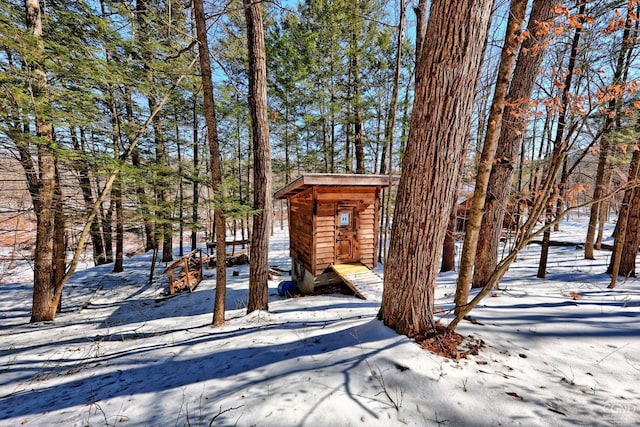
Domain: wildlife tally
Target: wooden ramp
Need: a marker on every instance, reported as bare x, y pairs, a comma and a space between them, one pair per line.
365, 283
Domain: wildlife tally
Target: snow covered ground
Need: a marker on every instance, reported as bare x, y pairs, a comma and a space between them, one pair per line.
560, 351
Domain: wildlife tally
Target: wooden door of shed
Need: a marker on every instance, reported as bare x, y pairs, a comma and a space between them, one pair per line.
346, 248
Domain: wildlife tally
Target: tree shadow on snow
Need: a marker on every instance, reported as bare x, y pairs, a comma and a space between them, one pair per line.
162, 367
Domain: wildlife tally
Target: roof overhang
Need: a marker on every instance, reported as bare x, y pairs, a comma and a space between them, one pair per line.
333, 180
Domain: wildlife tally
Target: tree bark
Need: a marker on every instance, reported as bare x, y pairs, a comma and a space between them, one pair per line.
45, 188
560, 140
624, 231
163, 230
143, 198
505, 73
449, 245
629, 254
513, 124
421, 26
216, 167
259, 250
358, 143
118, 265
84, 181
196, 178
603, 175
445, 85
389, 129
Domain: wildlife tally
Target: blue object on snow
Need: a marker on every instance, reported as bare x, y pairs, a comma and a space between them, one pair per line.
287, 288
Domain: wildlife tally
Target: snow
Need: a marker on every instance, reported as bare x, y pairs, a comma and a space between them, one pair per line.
121, 353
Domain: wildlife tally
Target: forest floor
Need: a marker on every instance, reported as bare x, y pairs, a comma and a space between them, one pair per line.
560, 351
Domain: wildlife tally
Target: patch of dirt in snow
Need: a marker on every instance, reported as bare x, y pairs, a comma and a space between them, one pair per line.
450, 344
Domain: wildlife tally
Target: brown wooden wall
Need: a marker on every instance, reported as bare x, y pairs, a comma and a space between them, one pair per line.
327, 199
324, 236
312, 225
368, 232
301, 227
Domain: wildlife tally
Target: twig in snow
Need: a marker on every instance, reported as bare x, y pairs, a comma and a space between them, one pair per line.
220, 412
385, 390
614, 351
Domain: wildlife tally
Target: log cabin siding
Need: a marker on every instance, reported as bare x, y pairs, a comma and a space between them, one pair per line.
300, 213
327, 200
317, 239
324, 234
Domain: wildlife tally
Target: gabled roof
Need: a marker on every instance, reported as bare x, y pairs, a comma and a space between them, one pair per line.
330, 179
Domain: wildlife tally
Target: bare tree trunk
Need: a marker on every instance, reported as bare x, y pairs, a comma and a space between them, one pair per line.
446, 79
196, 176
629, 254
449, 245
598, 192
513, 124
390, 126
262, 219
118, 266
45, 188
421, 26
544, 248
180, 195
117, 186
603, 175
165, 227
82, 168
216, 167
623, 222
627, 237
143, 198
59, 240
505, 72
560, 141
604, 206
358, 143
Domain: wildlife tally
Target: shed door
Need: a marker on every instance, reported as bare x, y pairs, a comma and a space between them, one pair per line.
346, 233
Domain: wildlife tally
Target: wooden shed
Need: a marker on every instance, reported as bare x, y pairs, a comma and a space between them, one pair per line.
333, 219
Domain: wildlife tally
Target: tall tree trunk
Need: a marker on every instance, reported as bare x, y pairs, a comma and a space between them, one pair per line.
143, 198
505, 73
259, 250
603, 210
625, 231
449, 246
59, 240
46, 291
164, 230
393, 106
84, 181
603, 175
196, 178
390, 127
560, 141
524, 75
446, 79
629, 254
421, 26
358, 143
216, 167
118, 265
117, 186
180, 195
